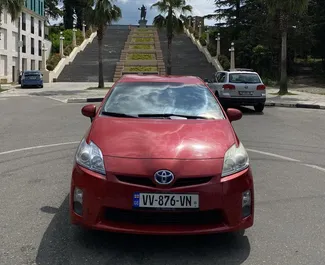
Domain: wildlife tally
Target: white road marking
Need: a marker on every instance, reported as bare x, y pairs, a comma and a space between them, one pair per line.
315, 167
274, 155
37, 147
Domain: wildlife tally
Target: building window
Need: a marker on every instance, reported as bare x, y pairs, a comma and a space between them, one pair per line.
32, 46
39, 65
39, 48
23, 18
32, 26
40, 28
24, 44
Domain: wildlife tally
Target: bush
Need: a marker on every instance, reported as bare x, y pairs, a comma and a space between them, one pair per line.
68, 36
139, 40
140, 69
142, 47
196, 35
88, 33
212, 49
68, 50
191, 29
224, 61
53, 60
50, 67
203, 39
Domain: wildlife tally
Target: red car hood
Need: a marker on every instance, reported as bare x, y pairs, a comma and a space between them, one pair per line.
164, 139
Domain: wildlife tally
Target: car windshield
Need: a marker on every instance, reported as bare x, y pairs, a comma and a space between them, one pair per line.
31, 74
156, 98
248, 78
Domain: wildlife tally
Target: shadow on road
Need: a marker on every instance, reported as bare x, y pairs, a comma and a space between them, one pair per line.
66, 244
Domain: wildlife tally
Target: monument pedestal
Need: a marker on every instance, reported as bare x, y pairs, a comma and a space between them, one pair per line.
143, 23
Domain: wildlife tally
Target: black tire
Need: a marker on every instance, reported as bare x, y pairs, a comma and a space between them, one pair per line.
21, 86
259, 107
41, 86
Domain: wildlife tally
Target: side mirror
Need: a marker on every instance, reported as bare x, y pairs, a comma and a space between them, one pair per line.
234, 114
89, 111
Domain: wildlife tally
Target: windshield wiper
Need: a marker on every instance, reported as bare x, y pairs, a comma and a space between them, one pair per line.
117, 114
168, 115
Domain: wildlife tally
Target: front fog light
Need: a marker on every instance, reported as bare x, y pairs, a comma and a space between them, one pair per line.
77, 201
246, 203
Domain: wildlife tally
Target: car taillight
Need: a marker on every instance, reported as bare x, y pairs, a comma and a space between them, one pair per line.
260, 87
228, 86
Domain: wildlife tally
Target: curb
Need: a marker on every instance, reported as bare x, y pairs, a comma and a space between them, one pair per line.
84, 100
294, 105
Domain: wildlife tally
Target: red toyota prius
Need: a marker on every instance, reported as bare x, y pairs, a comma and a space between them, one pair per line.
161, 157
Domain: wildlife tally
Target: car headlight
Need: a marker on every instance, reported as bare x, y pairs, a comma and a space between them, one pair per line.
90, 157
236, 159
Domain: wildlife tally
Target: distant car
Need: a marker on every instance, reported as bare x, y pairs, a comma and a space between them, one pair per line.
239, 87
161, 157
33, 78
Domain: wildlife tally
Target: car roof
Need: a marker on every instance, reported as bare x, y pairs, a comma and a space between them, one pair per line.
32, 71
130, 78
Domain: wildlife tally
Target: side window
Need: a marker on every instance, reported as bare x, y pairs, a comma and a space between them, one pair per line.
215, 77
221, 77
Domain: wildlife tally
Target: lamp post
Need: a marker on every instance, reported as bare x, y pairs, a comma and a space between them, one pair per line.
232, 56
200, 29
44, 49
84, 29
74, 39
61, 44
218, 44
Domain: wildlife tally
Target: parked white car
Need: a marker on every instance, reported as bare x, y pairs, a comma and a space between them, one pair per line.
239, 87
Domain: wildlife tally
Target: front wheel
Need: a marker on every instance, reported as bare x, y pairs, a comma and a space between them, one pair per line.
259, 108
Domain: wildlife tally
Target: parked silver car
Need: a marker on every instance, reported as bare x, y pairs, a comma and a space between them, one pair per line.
239, 88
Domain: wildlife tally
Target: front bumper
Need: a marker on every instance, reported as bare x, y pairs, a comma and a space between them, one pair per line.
107, 205
242, 101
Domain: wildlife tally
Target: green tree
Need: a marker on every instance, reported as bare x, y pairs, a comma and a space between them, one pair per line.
101, 16
169, 20
13, 7
285, 11
52, 10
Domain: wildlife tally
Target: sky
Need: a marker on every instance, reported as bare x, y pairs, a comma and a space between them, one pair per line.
131, 14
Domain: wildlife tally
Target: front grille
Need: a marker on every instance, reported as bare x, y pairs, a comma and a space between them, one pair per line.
182, 182
163, 218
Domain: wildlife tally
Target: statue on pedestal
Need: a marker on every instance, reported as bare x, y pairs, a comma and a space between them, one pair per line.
143, 12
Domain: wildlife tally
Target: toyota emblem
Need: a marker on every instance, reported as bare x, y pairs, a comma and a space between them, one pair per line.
164, 177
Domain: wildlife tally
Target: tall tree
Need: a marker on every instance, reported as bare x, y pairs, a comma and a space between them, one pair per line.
285, 11
168, 19
52, 10
13, 7
101, 16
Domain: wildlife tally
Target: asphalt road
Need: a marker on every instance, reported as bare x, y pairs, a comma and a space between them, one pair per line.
287, 151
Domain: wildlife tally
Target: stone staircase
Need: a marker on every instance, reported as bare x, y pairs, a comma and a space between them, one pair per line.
186, 57
84, 68
141, 54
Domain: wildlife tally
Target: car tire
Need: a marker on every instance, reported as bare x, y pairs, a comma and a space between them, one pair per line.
259, 107
41, 86
21, 86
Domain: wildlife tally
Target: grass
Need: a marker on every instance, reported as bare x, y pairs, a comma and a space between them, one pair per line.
97, 88
140, 69
139, 40
142, 47
141, 56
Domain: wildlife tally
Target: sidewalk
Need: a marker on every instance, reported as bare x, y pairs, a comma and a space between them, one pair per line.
78, 93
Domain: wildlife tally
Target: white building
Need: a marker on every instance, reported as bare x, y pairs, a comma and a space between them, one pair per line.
24, 53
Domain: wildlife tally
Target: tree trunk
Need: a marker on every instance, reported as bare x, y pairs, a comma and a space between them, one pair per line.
284, 77
169, 55
100, 32
169, 41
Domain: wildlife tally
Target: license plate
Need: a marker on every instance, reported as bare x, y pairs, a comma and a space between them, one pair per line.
245, 93
165, 200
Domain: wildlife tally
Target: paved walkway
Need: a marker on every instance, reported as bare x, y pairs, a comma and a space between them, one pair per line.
78, 92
